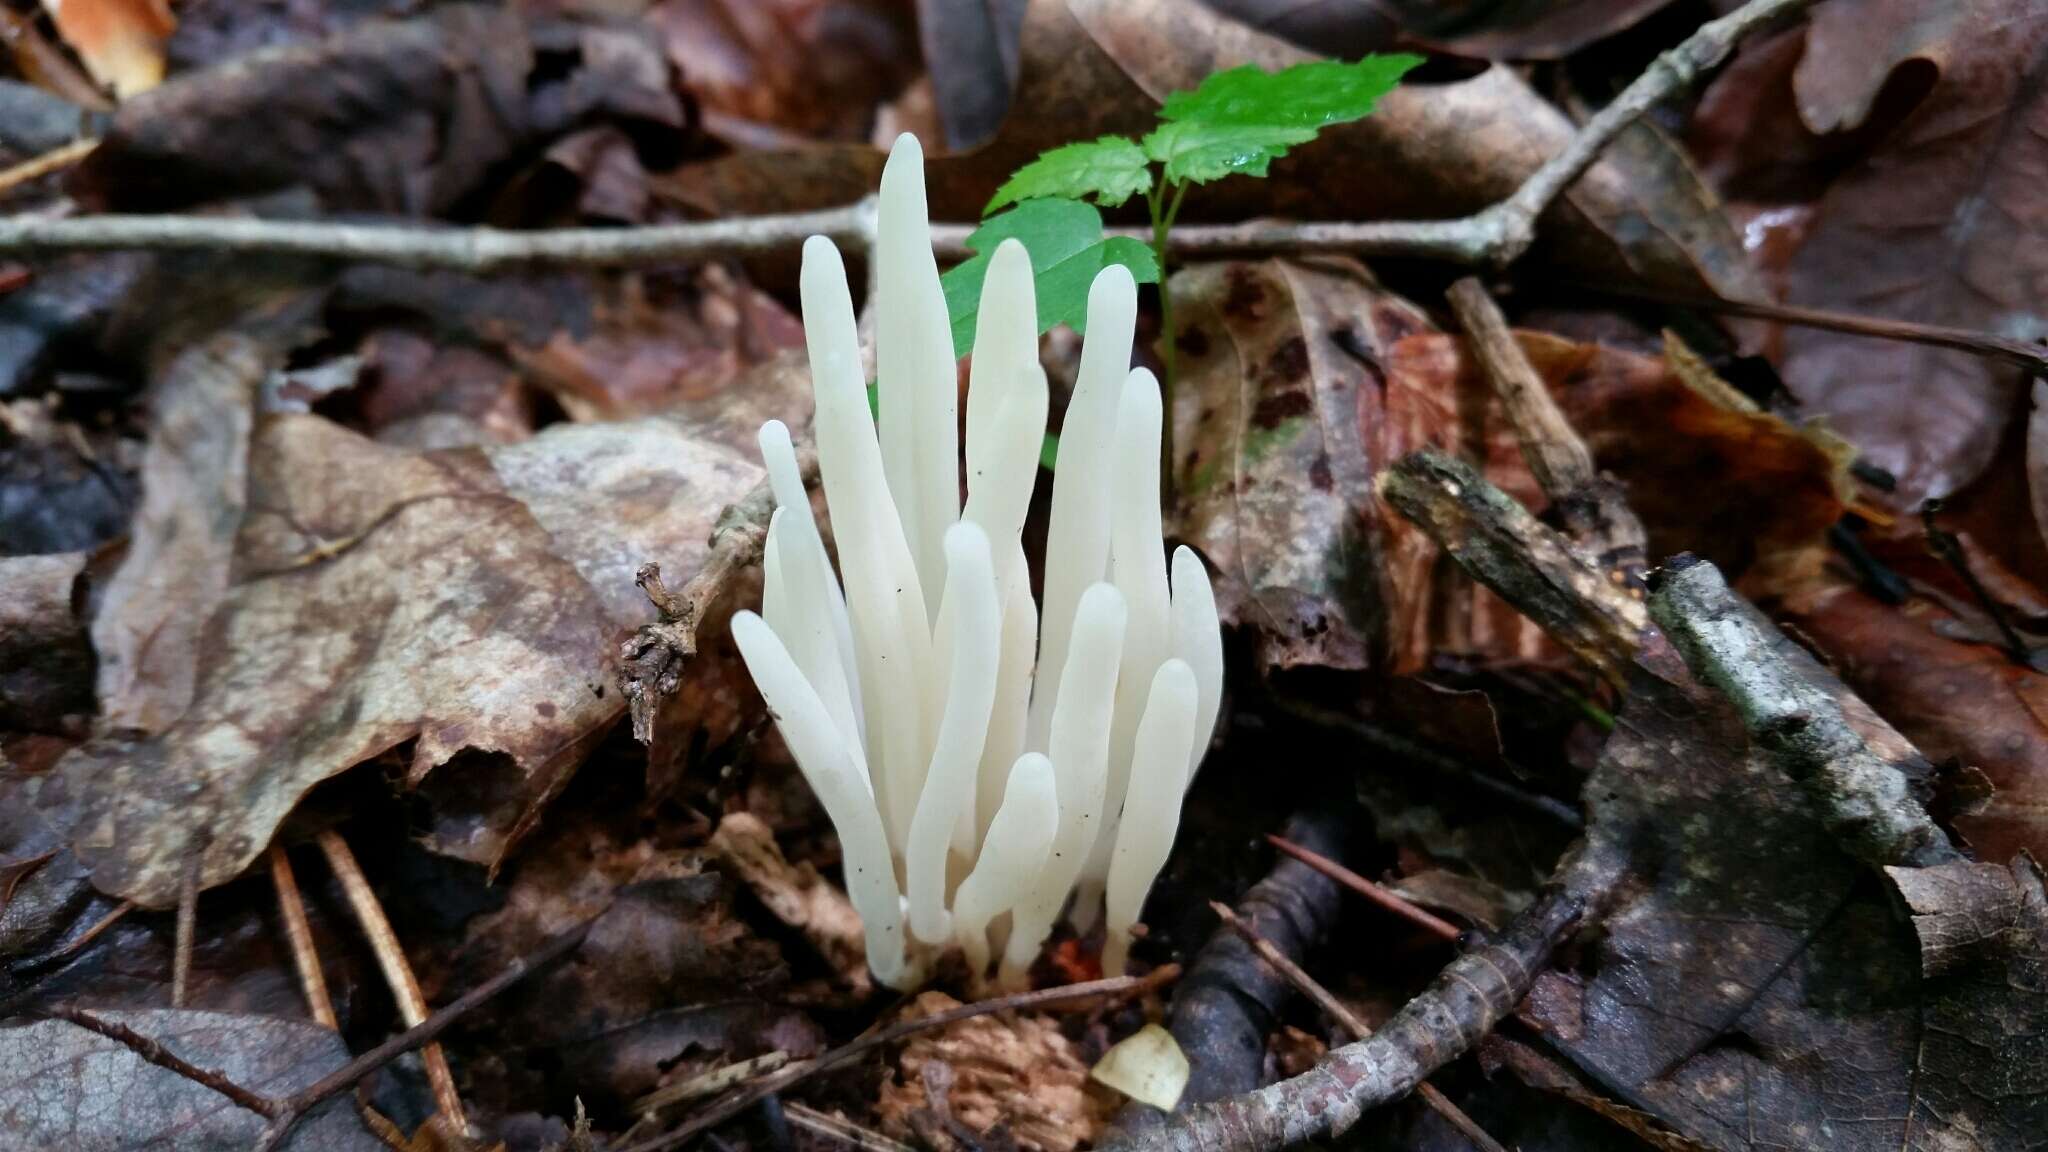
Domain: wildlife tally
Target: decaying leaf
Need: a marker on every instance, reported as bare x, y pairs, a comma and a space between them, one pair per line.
378, 597
1944, 223
1016, 1070
1147, 1066
46, 660
796, 894
64, 1087
1805, 1014
1960, 699
809, 68
121, 41
1278, 365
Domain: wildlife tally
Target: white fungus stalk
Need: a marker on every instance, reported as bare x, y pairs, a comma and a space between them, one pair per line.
1079, 749
822, 757
1012, 855
1137, 564
948, 725
973, 629
1152, 807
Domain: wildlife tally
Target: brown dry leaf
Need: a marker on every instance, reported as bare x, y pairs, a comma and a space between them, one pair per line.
1549, 31
121, 41
780, 70
1958, 700
395, 116
1090, 67
1944, 223
1278, 367
656, 345
1744, 1011
46, 661
454, 600
796, 894
1015, 1069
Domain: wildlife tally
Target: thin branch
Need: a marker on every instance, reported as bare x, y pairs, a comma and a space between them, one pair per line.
182, 931
711, 1083
164, 1058
37, 167
471, 250
1590, 507
652, 660
844, 1131
1531, 565
405, 987
1436, 925
299, 934
1496, 235
292, 1108
791, 1075
1353, 1027
1463, 1004
2030, 355
1863, 798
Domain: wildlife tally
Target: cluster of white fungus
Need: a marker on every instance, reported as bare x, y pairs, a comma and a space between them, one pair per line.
980, 757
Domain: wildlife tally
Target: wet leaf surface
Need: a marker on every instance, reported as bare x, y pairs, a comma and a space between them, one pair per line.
66, 1087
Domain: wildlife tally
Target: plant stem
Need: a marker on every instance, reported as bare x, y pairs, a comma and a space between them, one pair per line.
1161, 225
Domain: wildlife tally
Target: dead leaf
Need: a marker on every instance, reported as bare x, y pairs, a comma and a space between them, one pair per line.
971, 52
1277, 364
402, 116
796, 894
1959, 701
63, 487
1944, 224
121, 41
1017, 1070
1542, 31
69, 1088
46, 660
813, 69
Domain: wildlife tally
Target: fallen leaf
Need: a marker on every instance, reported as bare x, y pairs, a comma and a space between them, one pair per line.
1277, 367
1147, 1066
1541, 31
796, 895
121, 41
63, 487
1944, 223
813, 69
46, 660
433, 105
1961, 701
1745, 1011
69, 1088
1017, 1070
971, 53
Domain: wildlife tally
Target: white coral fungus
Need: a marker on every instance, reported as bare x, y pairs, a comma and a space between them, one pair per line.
980, 755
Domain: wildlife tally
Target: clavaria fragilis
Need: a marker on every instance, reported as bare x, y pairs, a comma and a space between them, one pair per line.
978, 756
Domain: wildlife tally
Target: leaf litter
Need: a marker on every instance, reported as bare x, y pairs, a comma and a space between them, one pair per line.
290, 549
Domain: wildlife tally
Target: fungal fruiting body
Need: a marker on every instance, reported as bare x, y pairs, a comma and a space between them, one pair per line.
980, 754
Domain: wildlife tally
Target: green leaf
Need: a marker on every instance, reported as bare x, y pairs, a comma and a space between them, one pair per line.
1068, 249
1240, 121
1308, 95
1111, 169
1196, 152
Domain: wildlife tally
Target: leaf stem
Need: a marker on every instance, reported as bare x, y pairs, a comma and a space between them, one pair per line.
1161, 226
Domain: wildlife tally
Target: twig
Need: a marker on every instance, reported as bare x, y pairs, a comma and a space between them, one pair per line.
1950, 549
78, 942
305, 957
182, 932
1348, 1020
2025, 354
652, 661
1863, 798
710, 1083
295, 1106
1531, 565
1589, 505
844, 1131
162, 1057
1436, 925
471, 250
1441, 1024
405, 987
790, 1075
1496, 235
37, 167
